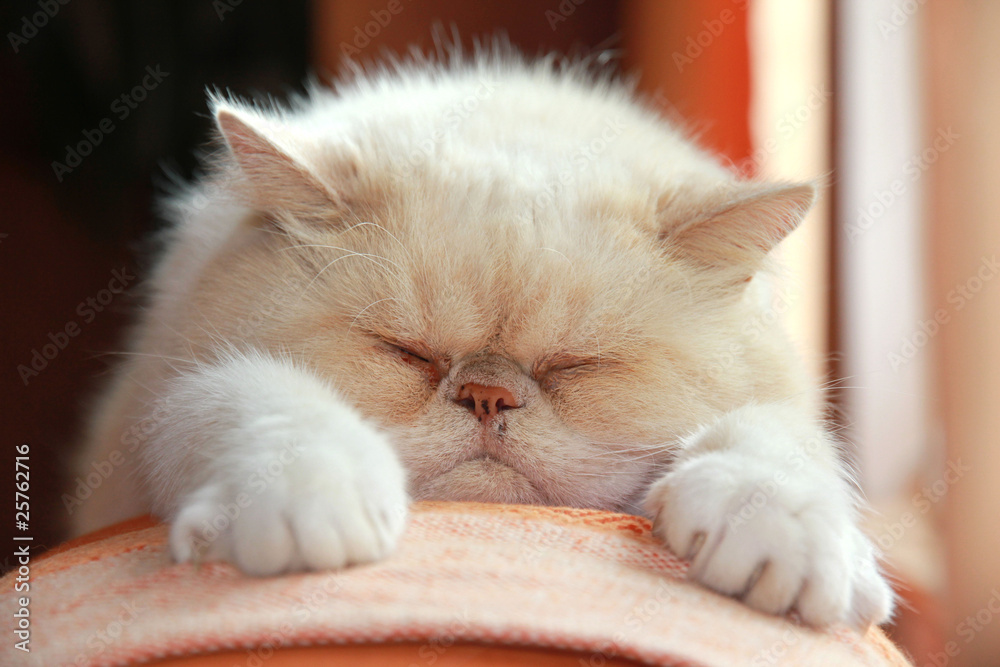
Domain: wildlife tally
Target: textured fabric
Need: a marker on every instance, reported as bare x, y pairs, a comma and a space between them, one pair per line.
582, 580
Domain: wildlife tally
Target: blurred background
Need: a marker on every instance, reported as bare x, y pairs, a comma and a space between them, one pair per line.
891, 288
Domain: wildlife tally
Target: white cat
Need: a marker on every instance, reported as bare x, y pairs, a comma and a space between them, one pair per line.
479, 280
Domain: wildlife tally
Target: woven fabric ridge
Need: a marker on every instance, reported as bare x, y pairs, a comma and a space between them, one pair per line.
583, 580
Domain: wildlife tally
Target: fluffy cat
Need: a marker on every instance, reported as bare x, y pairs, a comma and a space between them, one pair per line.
481, 280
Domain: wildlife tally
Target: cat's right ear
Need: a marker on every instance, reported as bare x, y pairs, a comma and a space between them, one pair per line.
277, 176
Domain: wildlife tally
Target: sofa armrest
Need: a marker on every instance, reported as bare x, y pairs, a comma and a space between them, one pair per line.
470, 583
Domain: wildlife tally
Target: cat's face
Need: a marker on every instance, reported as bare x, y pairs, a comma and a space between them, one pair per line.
576, 327
517, 350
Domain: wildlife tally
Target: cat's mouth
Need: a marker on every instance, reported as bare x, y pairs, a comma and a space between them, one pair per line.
484, 479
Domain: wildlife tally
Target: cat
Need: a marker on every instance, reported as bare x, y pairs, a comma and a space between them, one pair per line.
478, 279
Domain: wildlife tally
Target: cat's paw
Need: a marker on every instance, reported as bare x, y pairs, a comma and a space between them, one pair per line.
317, 504
777, 539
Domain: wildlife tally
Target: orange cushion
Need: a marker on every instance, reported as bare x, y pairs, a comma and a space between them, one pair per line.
470, 584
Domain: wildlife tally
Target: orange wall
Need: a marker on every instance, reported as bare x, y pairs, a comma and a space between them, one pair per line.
697, 55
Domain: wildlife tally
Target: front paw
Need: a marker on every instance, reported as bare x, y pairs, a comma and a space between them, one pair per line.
776, 539
314, 506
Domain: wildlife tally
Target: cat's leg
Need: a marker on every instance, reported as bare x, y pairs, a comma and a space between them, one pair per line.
761, 506
258, 462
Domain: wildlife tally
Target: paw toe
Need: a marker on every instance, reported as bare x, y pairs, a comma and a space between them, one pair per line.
194, 536
872, 598
776, 588
263, 541
321, 545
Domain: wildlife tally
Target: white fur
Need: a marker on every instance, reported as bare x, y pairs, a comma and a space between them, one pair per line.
517, 226
760, 517
277, 473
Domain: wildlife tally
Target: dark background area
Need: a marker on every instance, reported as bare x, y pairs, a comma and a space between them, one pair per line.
66, 232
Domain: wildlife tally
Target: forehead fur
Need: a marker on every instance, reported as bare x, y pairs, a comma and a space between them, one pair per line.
490, 269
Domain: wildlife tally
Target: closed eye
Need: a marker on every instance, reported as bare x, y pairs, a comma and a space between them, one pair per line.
407, 354
563, 365
421, 360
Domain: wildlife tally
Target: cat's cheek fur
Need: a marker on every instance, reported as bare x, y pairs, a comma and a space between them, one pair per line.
290, 477
764, 517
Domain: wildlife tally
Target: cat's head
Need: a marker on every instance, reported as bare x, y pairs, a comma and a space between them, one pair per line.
523, 337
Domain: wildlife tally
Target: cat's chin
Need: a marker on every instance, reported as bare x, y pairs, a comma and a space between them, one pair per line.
482, 479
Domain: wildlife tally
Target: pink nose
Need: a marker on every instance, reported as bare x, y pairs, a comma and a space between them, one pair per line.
485, 402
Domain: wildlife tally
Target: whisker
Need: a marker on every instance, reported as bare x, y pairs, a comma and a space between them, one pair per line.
388, 298
372, 258
560, 254
383, 229
350, 253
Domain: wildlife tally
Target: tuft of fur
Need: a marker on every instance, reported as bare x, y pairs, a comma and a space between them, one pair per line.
349, 265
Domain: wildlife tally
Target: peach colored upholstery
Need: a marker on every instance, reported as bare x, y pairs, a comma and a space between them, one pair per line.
470, 584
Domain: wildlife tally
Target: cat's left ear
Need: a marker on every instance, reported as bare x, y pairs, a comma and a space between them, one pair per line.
736, 229
277, 171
